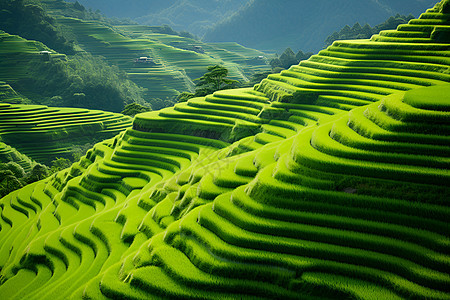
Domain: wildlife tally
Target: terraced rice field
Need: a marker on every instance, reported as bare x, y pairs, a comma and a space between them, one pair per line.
43, 133
17, 57
175, 63
327, 181
235, 57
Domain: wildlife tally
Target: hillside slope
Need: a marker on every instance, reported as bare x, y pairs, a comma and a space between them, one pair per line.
329, 180
45, 76
275, 25
175, 61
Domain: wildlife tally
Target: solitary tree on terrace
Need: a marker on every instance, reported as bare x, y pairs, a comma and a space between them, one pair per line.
214, 80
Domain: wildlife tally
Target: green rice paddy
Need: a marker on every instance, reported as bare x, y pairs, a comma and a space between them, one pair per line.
43, 133
327, 181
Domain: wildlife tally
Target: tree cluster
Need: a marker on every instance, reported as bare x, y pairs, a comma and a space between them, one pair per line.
13, 176
134, 108
213, 80
366, 31
289, 58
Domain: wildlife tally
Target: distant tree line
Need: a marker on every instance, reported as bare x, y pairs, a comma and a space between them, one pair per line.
289, 58
366, 31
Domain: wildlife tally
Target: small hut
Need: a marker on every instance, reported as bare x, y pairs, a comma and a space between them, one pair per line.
144, 60
45, 55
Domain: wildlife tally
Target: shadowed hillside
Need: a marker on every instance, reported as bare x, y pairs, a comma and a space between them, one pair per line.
326, 181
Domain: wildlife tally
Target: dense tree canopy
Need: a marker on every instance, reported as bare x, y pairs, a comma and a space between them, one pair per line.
134, 108
289, 58
214, 80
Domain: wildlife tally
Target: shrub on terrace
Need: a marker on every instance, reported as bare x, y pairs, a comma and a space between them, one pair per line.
13, 176
214, 80
134, 109
60, 164
38, 172
184, 96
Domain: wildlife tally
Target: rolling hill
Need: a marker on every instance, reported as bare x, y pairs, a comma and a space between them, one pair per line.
326, 181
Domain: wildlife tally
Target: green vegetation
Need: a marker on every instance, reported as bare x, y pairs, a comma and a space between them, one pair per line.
97, 63
11, 155
17, 170
174, 61
49, 78
288, 58
134, 108
195, 16
366, 31
214, 80
326, 181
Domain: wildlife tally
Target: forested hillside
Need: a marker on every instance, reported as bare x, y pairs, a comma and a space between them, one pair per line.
276, 25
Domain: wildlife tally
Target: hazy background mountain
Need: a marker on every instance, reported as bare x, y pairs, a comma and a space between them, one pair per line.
195, 16
128, 8
262, 24
303, 24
